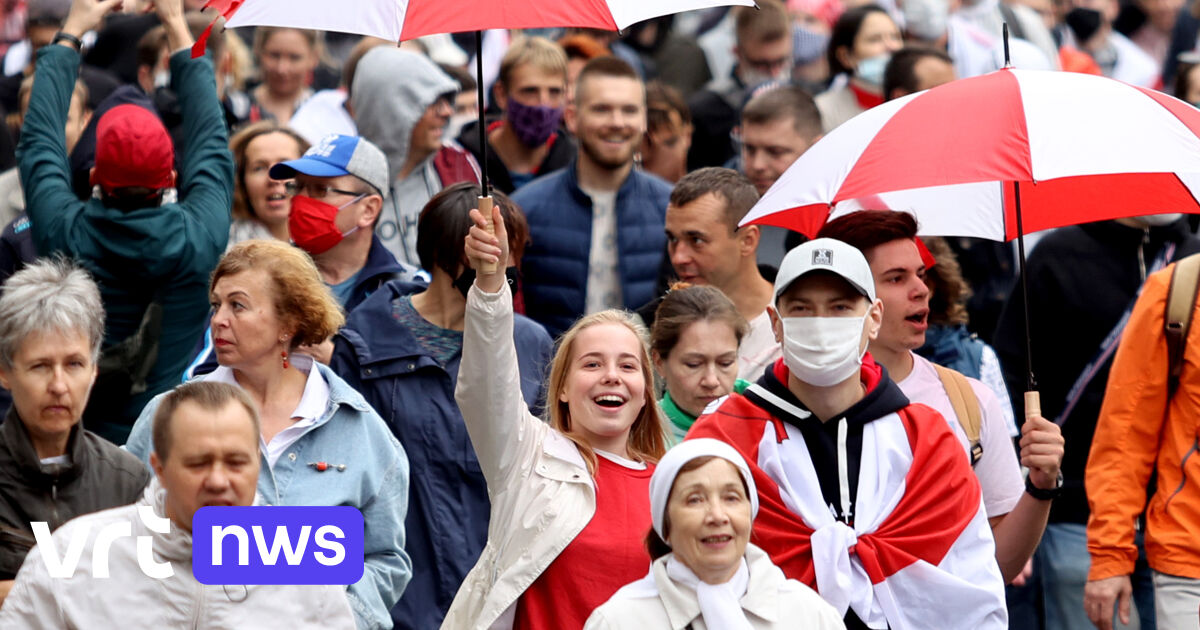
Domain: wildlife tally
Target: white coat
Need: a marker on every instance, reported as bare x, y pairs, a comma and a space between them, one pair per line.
130, 599
771, 602
541, 492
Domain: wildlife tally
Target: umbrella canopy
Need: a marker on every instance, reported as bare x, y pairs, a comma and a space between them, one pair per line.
397, 20
1064, 148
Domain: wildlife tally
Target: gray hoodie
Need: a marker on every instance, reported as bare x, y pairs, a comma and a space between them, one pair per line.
392, 89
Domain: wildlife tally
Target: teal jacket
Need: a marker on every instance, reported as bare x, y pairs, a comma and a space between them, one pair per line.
133, 254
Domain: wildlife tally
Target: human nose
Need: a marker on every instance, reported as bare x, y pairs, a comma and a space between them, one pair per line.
58, 381
709, 379
680, 255
217, 479
220, 317
716, 512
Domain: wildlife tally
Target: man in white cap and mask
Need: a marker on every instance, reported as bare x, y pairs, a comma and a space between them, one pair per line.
862, 495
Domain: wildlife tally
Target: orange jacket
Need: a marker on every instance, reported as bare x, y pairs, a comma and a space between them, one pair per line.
1133, 434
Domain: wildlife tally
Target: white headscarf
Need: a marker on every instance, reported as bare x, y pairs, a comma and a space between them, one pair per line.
720, 604
668, 468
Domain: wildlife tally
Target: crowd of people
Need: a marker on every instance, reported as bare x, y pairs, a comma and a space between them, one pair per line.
259, 271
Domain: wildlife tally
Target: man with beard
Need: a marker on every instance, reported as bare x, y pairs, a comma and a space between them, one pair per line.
531, 90
596, 225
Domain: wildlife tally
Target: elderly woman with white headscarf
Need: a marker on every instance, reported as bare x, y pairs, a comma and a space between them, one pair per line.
706, 575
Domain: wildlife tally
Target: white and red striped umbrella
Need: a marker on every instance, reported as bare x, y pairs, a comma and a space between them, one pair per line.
396, 20
1075, 147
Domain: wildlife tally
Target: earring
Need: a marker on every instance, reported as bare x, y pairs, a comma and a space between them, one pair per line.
285, 359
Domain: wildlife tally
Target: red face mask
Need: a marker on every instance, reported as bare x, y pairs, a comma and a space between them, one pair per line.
311, 224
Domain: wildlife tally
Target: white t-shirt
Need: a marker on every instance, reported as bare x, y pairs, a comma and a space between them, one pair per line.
998, 470
758, 350
604, 279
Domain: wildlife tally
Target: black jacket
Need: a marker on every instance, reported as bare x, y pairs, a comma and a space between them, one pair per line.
99, 476
562, 151
1081, 281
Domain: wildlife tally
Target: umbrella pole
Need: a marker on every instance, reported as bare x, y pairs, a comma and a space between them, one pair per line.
485, 198
1033, 402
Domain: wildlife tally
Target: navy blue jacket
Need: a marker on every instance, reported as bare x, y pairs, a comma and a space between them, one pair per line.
448, 506
381, 266
555, 266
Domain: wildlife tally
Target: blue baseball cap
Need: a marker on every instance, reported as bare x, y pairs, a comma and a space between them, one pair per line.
336, 155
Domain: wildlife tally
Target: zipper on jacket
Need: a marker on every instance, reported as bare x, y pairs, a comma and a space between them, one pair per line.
1183, 472
54, 502
1142, 254
199, 606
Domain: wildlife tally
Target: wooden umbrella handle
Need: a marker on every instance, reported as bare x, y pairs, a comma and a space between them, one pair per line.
485, 208
1033, 404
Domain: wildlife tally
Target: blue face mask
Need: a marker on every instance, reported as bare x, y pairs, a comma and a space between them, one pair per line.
807, 45
870, 70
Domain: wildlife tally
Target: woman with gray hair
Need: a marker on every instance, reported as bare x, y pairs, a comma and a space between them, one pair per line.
706, 574
51, 468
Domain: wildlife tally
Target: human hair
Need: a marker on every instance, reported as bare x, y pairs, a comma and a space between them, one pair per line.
445, 221
949, 291
466, 82
583, 46
50, 295
150, 46
302, 301
1183, 74
647, 438
606, 66
263, 34
656, 545
685, 305
661, 100
209, 396
79, 92
238, 145
867, 229
363, 46
901, 69
728, 185
782, 103
845, 31
767, 22
538, 52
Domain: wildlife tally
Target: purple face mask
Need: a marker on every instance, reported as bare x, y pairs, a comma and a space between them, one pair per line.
533, 124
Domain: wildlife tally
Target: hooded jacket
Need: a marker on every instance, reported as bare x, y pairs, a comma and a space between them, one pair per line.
392, 89
130, 599
98, 476
133, 254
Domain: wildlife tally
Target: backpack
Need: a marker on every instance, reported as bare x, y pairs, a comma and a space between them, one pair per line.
123, 369
1181, 300
966, 407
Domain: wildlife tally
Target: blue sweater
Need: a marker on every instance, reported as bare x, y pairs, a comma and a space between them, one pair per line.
555, 265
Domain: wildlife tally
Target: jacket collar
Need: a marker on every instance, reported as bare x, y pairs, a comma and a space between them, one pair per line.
374, 334
882, 398
581, 197
379, 261
18, 452
761, 598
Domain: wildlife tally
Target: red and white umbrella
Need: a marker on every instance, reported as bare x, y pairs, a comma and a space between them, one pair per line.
1065, 148
396, 20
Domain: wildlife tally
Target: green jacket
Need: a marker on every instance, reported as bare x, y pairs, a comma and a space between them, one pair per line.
681, 420
135, 254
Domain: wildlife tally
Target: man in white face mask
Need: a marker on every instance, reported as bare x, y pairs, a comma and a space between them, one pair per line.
863, 496
1017, 517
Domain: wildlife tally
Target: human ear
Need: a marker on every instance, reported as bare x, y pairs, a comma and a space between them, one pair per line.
776, 323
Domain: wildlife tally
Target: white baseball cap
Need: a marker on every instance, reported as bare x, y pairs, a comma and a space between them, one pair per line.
826, 254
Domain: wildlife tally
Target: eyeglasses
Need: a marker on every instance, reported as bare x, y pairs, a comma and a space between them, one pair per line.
317, 191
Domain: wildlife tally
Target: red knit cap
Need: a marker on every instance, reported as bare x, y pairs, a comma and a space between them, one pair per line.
132, 149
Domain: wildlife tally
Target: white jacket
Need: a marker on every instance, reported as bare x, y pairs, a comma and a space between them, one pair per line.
130, 599
771, 602
542, 495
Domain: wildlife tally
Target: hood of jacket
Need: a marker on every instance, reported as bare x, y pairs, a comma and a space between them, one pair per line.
391, 90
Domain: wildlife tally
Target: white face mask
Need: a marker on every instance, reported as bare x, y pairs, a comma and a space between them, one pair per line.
1159, 220
162, 79
823, 351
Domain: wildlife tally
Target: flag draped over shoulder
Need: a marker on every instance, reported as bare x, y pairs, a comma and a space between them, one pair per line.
920, 553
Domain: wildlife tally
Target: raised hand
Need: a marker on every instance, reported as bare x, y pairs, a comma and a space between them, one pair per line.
484, 247
86, 15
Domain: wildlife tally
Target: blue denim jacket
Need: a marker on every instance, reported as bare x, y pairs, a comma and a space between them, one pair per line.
375, 481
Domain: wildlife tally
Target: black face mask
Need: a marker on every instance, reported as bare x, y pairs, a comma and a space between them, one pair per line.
1083, 22
464, 281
